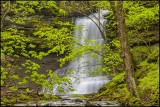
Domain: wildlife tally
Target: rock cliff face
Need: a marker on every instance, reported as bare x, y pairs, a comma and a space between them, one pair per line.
47, 63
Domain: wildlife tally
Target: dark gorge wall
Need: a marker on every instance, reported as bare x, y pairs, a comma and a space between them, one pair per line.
49, 62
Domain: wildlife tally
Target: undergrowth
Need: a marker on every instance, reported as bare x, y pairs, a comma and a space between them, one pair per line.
147, 74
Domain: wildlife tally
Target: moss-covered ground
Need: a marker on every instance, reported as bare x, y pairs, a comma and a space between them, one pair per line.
147, 75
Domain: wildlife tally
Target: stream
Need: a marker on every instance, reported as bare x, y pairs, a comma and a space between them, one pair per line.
70, 101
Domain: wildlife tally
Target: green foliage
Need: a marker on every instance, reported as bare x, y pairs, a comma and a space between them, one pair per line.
150, 63
40, 79
13, 44
112, 56
3, 75
7, 101
78, 95
119, 78
13, 88
28, 34
138, 16
21, 42
115, 90
16, 77
150, 81
148, 74
24, 97
58, 40
149, 86
141, 20
102, 4
28, 90
89, 46
139, 53
153, 57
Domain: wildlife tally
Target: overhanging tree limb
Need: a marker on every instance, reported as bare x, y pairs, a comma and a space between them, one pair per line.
99, 25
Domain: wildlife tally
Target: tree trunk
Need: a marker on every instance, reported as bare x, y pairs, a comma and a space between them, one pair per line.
5, 13
129, 69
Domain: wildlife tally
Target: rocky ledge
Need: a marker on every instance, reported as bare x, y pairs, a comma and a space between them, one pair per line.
71, 101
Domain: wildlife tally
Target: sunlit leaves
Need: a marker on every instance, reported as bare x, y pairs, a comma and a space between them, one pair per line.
140, 16
24, 81
29, 64
2, 82
31, 10
16, 77
150, 85
3, 73
116, 43
61, 89
102, 4
13, 88
38, 78
58, 40
62, 11
35, 3
112, 56
30, 34
31, 45
4, 4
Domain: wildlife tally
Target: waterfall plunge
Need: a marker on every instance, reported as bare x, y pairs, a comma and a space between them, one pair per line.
81, 81
89, 31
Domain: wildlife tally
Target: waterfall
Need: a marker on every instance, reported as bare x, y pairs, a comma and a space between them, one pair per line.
82, 82
86, 84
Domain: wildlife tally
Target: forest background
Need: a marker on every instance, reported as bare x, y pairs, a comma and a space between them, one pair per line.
33, 30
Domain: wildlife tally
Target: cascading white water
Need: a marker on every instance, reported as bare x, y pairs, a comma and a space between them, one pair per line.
86, 84
82, 82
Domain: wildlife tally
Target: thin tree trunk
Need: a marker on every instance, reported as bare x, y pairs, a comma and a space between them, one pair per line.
129, 69
5, 13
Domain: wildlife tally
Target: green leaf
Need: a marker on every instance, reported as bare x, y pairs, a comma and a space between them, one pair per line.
2, 82
13, 88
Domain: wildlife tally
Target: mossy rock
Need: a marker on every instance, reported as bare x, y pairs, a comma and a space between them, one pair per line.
116, 89
139, 53
9, 100
150, 63
153, 57
149, 88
